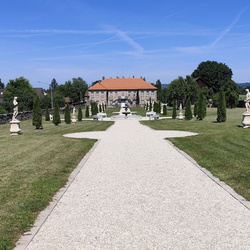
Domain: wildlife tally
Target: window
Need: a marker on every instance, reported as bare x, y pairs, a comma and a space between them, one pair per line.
102, 94
97, 94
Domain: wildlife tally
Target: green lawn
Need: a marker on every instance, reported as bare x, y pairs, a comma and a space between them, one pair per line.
222, 148
33, 167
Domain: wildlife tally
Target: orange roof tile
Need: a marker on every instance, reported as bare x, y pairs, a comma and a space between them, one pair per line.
122, 84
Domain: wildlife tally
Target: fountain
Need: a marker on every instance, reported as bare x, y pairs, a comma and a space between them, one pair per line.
125, 113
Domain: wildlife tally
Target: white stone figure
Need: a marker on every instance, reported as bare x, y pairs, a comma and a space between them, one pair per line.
74, 115
15, 123
247, 101
180, 112
15, 109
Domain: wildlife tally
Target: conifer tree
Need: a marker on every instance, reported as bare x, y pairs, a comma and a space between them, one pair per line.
47, 114
164, 109
87, 112
79, 116
195, 109
37, 114
67, 116
56, 114
221, 108
174, 114
100, 108
201, 107
188, 111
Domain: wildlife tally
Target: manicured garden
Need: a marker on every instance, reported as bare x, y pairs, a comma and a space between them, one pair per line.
33, 167
222, 148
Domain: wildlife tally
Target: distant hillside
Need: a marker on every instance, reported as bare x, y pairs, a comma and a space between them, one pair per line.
243, 85
164, 86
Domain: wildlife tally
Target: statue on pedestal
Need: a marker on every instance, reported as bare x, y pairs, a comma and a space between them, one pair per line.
246, 115
15, 109
247, 101
15, 123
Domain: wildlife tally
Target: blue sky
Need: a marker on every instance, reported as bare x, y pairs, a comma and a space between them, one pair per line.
160, 39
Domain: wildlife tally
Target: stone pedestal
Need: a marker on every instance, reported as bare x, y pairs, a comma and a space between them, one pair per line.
246, 119
15, 127
73, 120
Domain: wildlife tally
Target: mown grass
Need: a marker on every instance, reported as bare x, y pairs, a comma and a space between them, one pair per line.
33, 167
222, 148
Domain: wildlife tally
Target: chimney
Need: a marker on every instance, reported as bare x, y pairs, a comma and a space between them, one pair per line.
103, 78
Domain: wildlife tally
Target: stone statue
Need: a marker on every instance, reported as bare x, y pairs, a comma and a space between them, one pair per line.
15, 109
247, 101
74, 111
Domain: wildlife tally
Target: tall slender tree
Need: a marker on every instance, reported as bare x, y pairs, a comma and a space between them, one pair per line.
47, 114
37, 114
201, 107
174, 114
56, 114
67, 117
79, 116
188, 110
221, 108
87, 112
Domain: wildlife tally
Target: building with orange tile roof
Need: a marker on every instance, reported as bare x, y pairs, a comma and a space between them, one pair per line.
112, 91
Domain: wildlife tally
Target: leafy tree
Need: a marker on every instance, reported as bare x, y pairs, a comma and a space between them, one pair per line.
47, 114
56, 114
188, 111
174, 114
164, 109
221, 109
201, 107
180, 88
231, 91
67, 117
87, 112
150, 105
37, 114
1, 84
21, 88
79, 117
216, 74
100, 108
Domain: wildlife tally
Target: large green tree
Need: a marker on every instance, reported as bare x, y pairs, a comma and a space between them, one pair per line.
74, 89
21, 88
216, 74
182, 88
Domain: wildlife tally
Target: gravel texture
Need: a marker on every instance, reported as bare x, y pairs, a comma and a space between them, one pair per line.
137, 191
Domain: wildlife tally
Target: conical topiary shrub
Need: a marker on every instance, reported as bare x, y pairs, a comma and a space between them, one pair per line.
67, 116
56, 114
47, 114
87, 112
221, 108
79, 116
188, 111
37, 114
174, 114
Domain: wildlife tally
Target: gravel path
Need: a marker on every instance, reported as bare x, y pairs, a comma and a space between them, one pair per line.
136, 191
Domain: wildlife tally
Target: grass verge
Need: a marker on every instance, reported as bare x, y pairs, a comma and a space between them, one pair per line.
33, 167
221, 148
